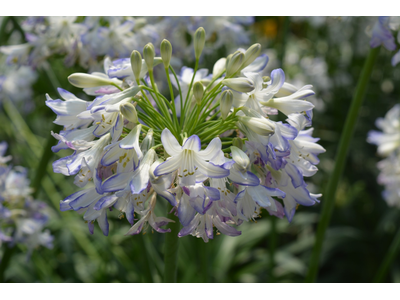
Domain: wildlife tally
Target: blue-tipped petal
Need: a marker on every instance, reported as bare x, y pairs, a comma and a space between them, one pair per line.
186, 212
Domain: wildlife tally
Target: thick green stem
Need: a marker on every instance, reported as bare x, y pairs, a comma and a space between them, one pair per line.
3, 26
147, 276
272, 246
171, 249
285, 29
348, 130
41, 169
5, 261
387, 261
204, 260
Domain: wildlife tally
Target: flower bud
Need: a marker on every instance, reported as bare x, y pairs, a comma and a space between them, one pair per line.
148, 141
136, 64
237, 142
266, 78
260, 126
241, 84
199, 41
234, 63
129, 112
83, 80
251, 54
198, 91
166, 52
226, 103
148, 55
240, 158
219, 67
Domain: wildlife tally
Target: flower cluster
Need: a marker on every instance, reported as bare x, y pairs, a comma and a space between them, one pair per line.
81, 40
21, 218
213, 152
16, 85
86, 40
382, 35
221, 32
388, 142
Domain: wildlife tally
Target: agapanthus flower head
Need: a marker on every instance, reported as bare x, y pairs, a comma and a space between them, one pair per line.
388, 142
382, 34
210, 145
16, 84
22, 219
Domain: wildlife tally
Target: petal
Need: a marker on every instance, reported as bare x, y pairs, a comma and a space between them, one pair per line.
224, 228
212, 193
66, 95
168, 196
85, 199
129, 211
192, 143
140, 179
209, 227
186, 212
91, 227
295, 174
103, 222
170, 143
209, 169
116, 131
262, 194
137, 228
247, 179
105, 202
132, 139
289, 106
188, 229
277, 80
212, 150
170, 165
257, 65
116, 182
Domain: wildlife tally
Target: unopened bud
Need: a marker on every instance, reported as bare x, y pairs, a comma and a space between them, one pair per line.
129, 112
226, 103
237, 142
240, 84
136, 64
266, 78
166, 52
260, 126
234, 63
83, 80
199, 41
148, 55
219, 67
241, 159
251, 54
148, 141
198, 91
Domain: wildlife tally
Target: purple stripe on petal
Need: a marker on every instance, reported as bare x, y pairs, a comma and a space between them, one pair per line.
186, 190
91, 227
104, 202
212, 193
